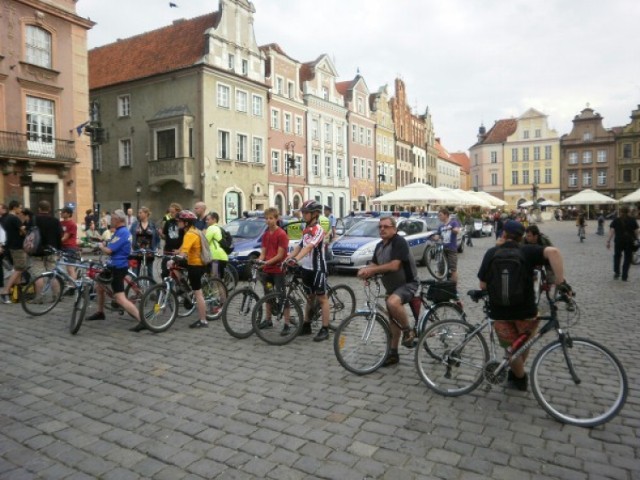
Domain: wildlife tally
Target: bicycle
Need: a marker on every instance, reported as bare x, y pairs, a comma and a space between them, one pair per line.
575, 380
159, 306
362, 341
436, 261
237, 310
286, 307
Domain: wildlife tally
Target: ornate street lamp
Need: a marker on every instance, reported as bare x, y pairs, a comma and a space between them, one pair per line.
291, 163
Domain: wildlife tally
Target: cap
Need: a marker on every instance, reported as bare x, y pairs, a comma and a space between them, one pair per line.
120, 214
68, 210
513, 227
327, 207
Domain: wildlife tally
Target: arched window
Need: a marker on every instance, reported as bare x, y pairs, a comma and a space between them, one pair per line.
38, 46
280, 204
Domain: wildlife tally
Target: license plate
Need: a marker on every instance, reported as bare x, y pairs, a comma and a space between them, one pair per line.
344, 260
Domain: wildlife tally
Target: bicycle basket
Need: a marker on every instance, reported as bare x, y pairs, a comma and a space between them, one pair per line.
442, 292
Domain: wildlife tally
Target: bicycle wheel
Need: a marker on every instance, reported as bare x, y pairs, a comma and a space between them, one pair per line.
135, 288
448, 360
270, 316
237, 312
158, 308
342, 304
438, 313
593, 394
79, 309
41, 294
187, 303
215, 293
231, 277
362, 342
437, 262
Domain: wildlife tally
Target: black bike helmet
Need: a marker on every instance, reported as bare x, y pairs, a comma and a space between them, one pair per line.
311, 206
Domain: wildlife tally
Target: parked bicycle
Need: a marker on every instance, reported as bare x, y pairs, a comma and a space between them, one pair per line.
237, 310
362, 342
436, 260
575, 380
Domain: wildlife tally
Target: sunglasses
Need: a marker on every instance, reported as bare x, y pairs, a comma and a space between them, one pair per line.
380, 227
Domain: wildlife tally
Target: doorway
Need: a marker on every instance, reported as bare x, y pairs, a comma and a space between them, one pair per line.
42, 191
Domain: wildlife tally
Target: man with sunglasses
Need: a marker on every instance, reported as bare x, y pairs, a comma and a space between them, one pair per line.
393, 260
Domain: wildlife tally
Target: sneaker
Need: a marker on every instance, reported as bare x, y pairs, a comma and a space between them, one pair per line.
138, 327
265, 324
199, 324
516, 382
96, 316
5, 299
409, 338
322, 334
392, 359
306, 329
286, 330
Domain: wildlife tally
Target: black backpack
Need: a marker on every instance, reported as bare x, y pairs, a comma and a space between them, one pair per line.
226, 242
506, 278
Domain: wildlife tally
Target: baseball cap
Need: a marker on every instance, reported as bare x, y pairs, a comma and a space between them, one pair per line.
120, 214
68, 210
513, 227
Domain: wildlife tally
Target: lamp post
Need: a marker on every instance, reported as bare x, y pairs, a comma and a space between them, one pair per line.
534, 193
138, 192
291, 163
381, 178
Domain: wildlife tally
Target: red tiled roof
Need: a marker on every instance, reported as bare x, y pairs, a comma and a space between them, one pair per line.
442, 152
461, 159
163, 50
501, 130
342, 87
277, 48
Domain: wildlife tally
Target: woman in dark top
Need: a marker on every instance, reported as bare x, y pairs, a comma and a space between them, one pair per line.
145, 235
624, 232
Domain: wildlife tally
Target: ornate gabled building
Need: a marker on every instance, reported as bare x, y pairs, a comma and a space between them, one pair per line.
182, 111
587, 156
385, 169
448, 168
327, 154
44, 104
627, 175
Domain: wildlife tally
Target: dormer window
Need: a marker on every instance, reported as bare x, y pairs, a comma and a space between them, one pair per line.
38, 46
232, 62
325, 93
586, 136
245, 67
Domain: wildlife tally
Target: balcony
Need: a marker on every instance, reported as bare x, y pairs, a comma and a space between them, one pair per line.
176, 169
22, 146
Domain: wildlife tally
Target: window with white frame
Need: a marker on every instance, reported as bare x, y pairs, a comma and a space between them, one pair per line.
224, 144
280, 85
315, 164
287, 122
514, 177
291, 89
525, 177
354, 169
573, 179
124, 105
547, 175
256, 101
514, 154
275, 119
298, 165
245, 67
40, 126
231, 62
538, 133
339, 135
241, 147
494, 179
602, 178
298, 125
97, 157
124, 152
526, 134
363, 168
573, 158
165, 144
325, 93
602, 156
586, 136
362, 135
38, 46
587, 156
536, 176
241, 101
369, 137
327, 132
494, 157
327, 166
547, 152
339, 168
223, 96
525, 154
354, 133
369, 170
315, 134
257, 150
536, 153
275, 161
360, 105
586, 179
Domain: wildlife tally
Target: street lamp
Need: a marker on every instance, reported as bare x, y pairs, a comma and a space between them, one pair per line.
138, 192
291, 163
534, 192
381, 178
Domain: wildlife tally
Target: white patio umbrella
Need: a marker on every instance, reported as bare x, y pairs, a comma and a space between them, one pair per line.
457, 199
548, 203
415, 194
494, 201
589, 197
474, 200
631, 198
526, 204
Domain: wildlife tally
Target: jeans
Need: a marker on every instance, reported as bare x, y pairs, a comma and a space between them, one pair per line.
618, 251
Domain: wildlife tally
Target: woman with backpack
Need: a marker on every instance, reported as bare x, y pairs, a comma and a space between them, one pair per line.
215, 238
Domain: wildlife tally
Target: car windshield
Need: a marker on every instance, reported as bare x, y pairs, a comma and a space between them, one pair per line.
245, 228
364, 229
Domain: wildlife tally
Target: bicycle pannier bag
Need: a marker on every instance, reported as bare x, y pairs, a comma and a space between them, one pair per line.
205, 251
440, 292
506, 278
32, 241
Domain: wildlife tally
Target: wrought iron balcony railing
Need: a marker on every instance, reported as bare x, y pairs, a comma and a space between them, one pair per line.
36, 147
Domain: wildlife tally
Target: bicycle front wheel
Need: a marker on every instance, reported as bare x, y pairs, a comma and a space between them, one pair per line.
237, 312
449, 360
79, 309
362, 342
437, 263
342, 304
41, 294
580, 383
158, 308
277, 319
438, 313
215, 293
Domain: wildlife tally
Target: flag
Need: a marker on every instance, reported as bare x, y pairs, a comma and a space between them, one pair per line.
80, 127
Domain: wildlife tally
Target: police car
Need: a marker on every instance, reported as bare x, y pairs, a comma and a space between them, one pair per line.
355, 248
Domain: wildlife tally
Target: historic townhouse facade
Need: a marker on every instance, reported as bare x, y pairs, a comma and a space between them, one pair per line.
44, 104
531, 160
587, 156
327, 153
431, 173
462, 159
184, 115
627, 175
286, 154
448, 169
385, 164
487, 157
361, 142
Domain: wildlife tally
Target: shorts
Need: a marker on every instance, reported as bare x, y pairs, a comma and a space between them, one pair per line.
39, 265
195, 273
275, 279
314, 282
509, 330
117, 281
20, 259
406, 292
452, 259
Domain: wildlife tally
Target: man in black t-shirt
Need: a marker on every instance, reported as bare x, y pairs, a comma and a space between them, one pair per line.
624, 232
50, 236
171, 234
15, 231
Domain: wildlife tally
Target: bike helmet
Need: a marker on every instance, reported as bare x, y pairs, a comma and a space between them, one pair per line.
187, 216
311, 206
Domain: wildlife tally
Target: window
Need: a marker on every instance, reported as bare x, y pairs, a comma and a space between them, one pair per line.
165, 144
223, 96
494, 157
369, 137
257, 150
124, 106
339, 169
538, 133
586, 179
325, 93
587, 156
327, 166
38, 46
315, 164
257, 105
602, 178
291, 89
280, 85
298, 125
275, 161
40, 126
525, 154
362, 135
369, 170
231, 62
626, 175
245, 67
298, 167
602, 156
547, 175
241, 101
287, 122
275, 119
354, 133
525, 177
514, 178
125, 152
190, 142
363, 168
314, 129
536, 176
514, 154
627, 150
573, 158
536, 153
573, 179
494, 179
525, 134
327, 132
586, 136
224, 144
354, 170
339, 135
547, 152
241, 148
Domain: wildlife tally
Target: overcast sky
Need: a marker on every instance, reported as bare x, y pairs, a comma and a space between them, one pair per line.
469, 61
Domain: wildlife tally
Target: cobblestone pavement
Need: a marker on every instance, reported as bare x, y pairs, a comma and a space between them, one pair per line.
113, 404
